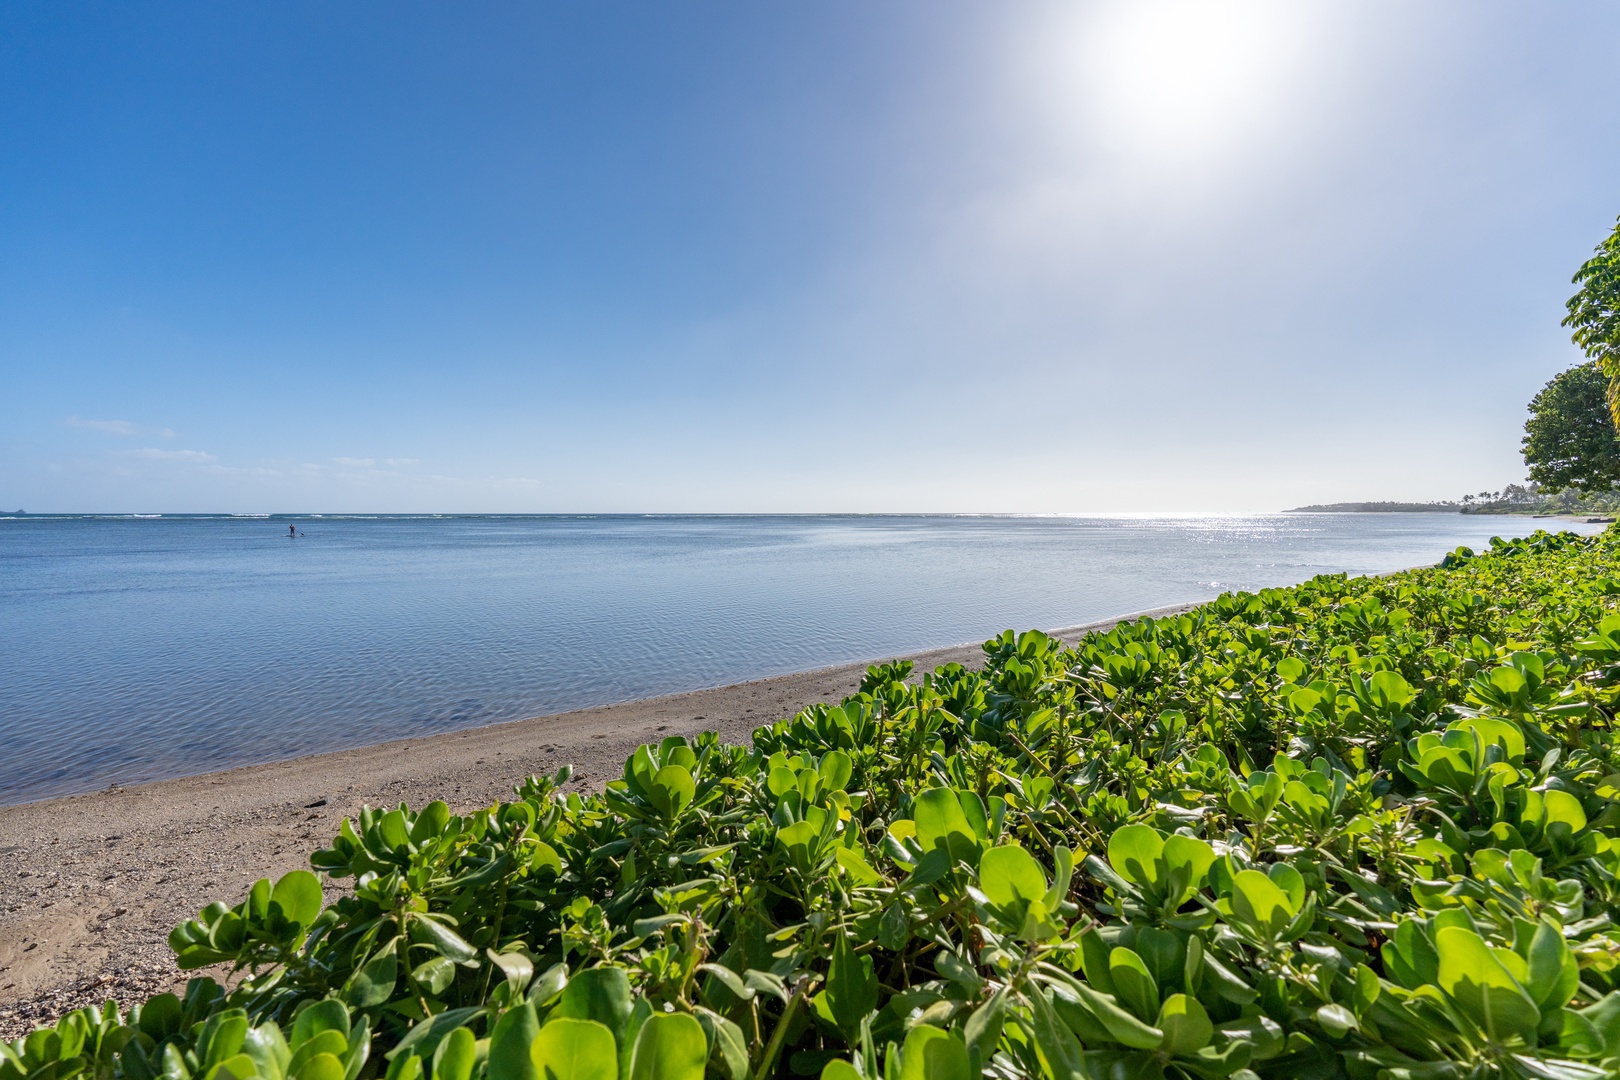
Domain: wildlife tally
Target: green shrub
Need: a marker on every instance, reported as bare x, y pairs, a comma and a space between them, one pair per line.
1361, 827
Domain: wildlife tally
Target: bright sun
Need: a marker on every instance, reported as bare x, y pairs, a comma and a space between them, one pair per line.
1184, 80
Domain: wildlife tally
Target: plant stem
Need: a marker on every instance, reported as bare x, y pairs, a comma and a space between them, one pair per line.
779, 1035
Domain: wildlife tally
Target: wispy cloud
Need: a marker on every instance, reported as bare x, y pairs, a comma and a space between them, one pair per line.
356, 462
152, 453
118, 427
402, 461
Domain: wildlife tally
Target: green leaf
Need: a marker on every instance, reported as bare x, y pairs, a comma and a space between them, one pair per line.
1134, 852
299, 894
1337, 1020
516, 966
1410, 955
1056, 1041
653, 924
1572, 1033
1163, 955
1554, 974
1564, 807
957, 970
1134, 985
549, 984
1493, 730
449, 943
1258, 901
1290, 881
1189, 854
781, 780
456, 1056
1261, 1034
569, 1049
236, 1067
321, 1067
374, 983
836, 768
766, 982
1389, 690
430, 822
435, 974
160, 1016
973, 813
1063, 875
1080, 1020
424, 1037
859, 870
1225, 982
1121, 1025
1094, 960
852, 990
509, 1043
932, 1054
1476, 980
1605, 1019
729, 979
894, 928
983, 1028
1009, 874
671, 790
941, 824
268, 1048
1185, 1025
221, 1037
797, 838
326, 1015
839, 1069
542, 856
601, 994
670, 1046
391, 828
728, 1041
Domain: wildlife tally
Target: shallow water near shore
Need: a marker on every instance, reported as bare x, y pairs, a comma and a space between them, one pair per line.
136, 649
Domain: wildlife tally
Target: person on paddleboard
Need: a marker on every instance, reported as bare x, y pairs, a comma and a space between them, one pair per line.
292, 531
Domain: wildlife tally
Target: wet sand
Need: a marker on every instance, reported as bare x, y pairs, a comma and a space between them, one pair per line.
90, 885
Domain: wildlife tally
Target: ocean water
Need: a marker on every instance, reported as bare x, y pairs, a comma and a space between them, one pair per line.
134, 649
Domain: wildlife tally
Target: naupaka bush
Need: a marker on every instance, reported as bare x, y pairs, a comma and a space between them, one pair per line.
1360, 827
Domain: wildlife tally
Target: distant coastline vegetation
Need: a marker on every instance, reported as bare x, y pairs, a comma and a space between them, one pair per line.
1523, 499
1377, 508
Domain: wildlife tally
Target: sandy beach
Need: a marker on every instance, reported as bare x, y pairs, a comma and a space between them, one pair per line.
90, 885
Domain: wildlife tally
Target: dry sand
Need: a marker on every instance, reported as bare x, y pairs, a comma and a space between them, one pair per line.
90, 885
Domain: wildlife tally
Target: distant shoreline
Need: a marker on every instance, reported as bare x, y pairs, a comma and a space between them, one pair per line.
1378, 508
1445, 508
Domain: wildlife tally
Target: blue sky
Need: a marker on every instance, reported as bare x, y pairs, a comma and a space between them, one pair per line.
754, 257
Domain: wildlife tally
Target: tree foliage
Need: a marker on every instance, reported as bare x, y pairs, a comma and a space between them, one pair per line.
1570, 440
1594, 313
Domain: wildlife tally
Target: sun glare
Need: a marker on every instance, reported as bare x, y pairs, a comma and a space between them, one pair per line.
1185, 80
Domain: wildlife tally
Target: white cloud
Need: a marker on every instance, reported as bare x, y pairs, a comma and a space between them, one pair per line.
118, 427
152, 453
356, 462
402, 461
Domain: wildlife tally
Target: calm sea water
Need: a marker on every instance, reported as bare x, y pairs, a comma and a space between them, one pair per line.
137, 649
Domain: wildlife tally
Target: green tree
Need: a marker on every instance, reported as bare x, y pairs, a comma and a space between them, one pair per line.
1594, 314
1570, 439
